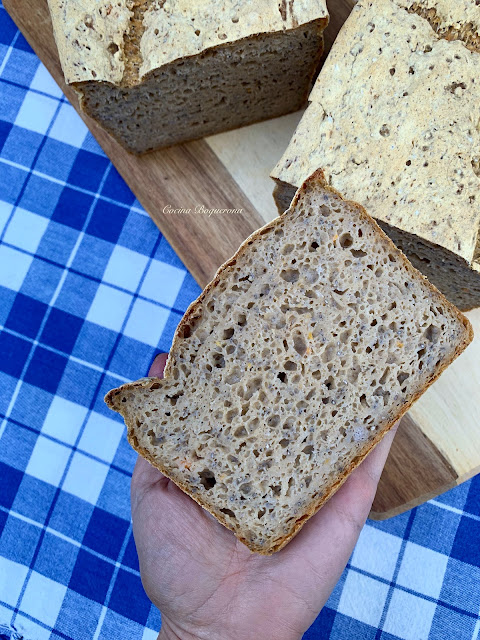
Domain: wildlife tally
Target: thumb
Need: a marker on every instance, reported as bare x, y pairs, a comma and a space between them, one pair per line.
158, 365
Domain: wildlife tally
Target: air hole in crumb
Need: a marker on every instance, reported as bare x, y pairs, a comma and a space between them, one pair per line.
282, 376
402, 377
251, 387
358, 253
299, 345
218, 361
207, 478
308, 450
228, 333
228, 512
113, 48
329, 353
346, 240
240, 432
245, 488
288, 248
277, 489
384, 377
432, 333
273, 421
384, 131
231, 415
290, 275
291, 484
242, 320
261, 513
233, 377
284, 442
313, 247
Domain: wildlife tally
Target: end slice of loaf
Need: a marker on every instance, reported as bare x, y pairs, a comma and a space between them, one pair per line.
154, 74
308, 345
394, 122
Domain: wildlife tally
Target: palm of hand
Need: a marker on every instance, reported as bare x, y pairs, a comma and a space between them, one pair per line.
209, 585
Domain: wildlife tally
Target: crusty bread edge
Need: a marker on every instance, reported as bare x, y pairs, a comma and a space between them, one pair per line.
312, 508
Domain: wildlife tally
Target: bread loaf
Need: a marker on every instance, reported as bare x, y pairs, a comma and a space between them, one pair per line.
308, 345
394, 122
155, 73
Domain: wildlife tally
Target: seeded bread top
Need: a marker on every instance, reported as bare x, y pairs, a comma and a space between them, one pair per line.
92, 35
402, 134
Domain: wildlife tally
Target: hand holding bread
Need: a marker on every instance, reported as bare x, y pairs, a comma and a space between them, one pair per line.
208, 585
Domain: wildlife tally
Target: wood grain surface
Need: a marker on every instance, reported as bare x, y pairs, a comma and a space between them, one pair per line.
437, 445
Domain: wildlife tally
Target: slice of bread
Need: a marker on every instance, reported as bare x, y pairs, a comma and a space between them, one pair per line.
308, 345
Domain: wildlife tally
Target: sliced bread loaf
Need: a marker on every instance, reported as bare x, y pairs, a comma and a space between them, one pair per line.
303, 351
394, 122
156, 73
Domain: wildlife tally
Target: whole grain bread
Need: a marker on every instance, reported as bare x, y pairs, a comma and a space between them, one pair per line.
394, 122
155, 73
308, 345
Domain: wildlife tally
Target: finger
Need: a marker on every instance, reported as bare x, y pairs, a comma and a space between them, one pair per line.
158, 365
145, 474
375, 461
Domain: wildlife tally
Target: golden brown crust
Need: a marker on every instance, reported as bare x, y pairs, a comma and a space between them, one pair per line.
316, 178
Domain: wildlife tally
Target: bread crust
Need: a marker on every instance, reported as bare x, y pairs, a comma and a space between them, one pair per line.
317, 178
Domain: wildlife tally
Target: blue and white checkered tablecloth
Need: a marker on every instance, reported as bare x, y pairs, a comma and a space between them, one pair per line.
89, 292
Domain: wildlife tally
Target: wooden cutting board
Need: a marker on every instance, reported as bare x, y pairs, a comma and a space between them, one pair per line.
438, 443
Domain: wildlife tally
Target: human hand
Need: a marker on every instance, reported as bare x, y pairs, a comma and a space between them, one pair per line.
208, 585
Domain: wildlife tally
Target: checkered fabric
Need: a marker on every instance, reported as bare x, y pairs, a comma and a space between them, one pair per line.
89, 292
